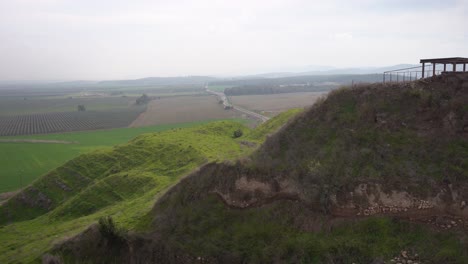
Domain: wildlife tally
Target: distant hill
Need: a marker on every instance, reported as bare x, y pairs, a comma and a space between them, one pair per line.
140, 83
327, 70
319, 73
339, 79
156, 81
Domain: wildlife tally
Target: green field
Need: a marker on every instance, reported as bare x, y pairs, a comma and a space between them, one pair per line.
21, 163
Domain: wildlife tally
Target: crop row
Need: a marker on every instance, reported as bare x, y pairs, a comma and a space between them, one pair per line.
65, 122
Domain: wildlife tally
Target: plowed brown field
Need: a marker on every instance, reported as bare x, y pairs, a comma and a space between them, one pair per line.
169, 110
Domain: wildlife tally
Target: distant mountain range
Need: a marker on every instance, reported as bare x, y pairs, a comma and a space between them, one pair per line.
311, 70
327, 70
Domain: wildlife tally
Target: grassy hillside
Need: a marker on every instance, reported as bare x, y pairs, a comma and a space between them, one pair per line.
263, 130
123, 181
166, 154
23, 162
367, 175
412, 134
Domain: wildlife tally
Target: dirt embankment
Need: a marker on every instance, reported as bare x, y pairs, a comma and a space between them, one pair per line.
447, 209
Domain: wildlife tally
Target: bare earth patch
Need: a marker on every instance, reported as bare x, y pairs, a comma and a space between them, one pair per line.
276, 103
181, 109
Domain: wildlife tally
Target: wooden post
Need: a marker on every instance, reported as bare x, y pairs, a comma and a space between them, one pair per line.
454, 67
445, 67
464, 67
433, 69
423, 66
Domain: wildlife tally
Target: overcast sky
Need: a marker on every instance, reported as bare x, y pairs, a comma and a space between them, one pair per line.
116, 39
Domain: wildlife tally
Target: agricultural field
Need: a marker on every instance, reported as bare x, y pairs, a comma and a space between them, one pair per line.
274, 104
24, 158
24, 105
66, 121
169, 110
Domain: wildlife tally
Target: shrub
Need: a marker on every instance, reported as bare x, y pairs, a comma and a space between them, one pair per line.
81, 108
109, 230
144, 99
238, 133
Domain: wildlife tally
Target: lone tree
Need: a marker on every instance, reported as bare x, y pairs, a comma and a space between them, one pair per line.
144, 99
81, 108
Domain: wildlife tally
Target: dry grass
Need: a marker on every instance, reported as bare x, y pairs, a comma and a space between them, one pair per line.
183, 109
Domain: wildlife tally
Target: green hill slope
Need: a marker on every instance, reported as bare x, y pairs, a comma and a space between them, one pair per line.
123, 181
84, 182
23, 162
262, 131
367, 175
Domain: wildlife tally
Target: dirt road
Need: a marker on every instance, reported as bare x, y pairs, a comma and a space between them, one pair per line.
221, 96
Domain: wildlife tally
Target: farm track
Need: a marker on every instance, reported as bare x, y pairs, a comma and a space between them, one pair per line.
222, 97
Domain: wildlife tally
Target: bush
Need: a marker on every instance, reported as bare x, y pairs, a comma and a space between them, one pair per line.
81, 108
238, 133
109, 230
144, 99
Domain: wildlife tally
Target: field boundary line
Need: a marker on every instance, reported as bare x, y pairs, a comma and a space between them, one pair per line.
37, 141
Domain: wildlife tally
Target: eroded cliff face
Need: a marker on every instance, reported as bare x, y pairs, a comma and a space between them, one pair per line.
239, 187
245, 190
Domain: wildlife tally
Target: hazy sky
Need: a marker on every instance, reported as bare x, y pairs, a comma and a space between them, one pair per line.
116, 39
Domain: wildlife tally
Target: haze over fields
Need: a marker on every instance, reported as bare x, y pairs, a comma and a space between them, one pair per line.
108, 39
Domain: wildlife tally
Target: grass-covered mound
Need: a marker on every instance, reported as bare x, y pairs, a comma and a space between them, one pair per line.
411, 135
24, 162
309, 193
123, 182
81, 186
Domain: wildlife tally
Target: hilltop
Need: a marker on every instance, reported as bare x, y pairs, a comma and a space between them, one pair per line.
369, 174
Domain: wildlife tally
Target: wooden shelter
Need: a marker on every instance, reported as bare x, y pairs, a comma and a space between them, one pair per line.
451, 61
